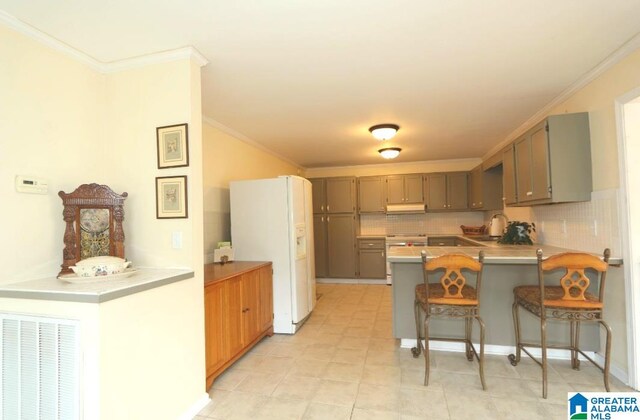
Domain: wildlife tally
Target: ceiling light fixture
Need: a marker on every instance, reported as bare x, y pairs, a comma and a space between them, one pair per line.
384, 131
390, 152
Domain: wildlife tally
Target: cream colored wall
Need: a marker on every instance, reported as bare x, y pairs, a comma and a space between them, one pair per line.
51, 126
395, 168
225, 159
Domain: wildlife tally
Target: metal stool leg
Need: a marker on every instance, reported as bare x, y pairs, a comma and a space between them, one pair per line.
427, 363
573, 345
543, 333
607, 355
418, 348
515, 358
481, 358
468, 323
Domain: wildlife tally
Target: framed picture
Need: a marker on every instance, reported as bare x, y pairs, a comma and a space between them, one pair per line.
173, 146
171, 197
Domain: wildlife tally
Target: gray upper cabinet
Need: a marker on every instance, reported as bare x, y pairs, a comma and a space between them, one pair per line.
341, 195
318, 194
404, 189
446, 191
371, 197
553, 161
510, 196
475, 188
485, 187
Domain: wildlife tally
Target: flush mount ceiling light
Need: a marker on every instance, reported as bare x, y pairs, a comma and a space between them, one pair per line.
384, 131
390, 152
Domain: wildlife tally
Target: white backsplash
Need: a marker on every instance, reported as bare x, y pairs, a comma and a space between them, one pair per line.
408, 224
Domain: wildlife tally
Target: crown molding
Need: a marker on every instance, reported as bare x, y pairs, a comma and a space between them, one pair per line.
613, 59
185, 53
474, 161
247, 140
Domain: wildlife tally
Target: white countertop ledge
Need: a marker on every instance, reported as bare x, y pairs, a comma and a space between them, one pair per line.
51, 288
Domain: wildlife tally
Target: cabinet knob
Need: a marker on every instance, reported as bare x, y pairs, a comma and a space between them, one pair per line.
480, 203
445, 206
529, 193
327, 207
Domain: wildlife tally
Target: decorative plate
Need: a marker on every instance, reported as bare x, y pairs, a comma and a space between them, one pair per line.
74, 278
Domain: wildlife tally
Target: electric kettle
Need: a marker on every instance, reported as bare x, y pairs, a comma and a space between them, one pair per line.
497, 224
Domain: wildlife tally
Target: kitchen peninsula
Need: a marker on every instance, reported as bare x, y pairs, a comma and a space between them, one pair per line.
506, 266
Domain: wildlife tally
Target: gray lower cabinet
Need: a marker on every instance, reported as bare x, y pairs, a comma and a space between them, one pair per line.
320, 244
371, 194
341, 233
372, 260
446, 191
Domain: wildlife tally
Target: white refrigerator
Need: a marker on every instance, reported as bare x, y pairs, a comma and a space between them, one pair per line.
272, 220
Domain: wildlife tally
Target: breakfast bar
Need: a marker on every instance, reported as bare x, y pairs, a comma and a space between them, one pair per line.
505, 267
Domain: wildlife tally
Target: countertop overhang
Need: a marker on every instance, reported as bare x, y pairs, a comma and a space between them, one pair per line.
51, 288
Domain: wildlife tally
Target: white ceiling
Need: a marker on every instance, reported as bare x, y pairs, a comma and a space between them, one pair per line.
306, 78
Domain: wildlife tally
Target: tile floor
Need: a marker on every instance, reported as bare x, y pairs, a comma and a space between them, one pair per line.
344, 364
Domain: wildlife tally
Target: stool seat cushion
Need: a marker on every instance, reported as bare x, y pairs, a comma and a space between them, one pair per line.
553, 298
436, 295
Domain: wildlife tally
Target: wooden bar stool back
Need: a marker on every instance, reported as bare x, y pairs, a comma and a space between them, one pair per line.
452, 297
570, 301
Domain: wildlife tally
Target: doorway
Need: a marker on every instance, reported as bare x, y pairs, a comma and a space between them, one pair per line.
628, 124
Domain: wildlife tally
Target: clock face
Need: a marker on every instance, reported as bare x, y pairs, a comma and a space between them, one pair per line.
94, 220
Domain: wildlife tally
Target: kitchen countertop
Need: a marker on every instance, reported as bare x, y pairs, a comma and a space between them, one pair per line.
370, 237
494, 252
51, 288
216, 272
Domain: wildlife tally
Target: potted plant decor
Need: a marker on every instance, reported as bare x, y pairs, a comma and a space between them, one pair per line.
518, 233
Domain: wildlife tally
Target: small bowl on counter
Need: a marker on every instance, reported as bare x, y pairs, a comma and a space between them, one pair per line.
100, 266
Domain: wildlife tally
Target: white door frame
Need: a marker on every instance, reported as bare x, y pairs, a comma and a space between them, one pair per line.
629, 242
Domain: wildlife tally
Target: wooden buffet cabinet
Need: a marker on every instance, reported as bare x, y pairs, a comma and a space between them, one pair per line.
238, 311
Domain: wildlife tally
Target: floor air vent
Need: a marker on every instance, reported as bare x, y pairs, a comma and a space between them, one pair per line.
40, 369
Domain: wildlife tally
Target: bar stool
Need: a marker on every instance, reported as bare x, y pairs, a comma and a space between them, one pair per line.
450, 297
568, 302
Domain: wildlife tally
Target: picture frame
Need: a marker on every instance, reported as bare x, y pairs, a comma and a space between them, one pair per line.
173, 146
171, 197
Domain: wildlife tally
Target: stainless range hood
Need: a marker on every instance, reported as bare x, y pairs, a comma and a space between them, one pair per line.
406, 208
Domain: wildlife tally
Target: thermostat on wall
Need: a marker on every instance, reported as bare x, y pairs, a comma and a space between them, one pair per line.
31, 184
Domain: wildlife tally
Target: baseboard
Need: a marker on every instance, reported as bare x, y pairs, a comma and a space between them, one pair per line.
196, 407
493, 349
350, 281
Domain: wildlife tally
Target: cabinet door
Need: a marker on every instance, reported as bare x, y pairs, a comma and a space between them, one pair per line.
372, 264
395, 189
457, 194
371, 194
413, 189
341, 245
540, 163
214, 317
435, 191
233, 325
320, 244
523, 169
475, 188
318, 194
341, 195
250, 305
265, 293
509, 176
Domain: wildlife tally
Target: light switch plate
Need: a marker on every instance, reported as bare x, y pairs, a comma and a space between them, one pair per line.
176, 240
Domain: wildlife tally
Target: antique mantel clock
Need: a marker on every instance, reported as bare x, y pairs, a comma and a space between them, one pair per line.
93, 214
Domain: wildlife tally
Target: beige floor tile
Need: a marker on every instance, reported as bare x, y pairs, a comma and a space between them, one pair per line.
332, 329
329, 338
319, 351
260, 383
230, 378
354, 343
586, 375
358, 331
528, 369
385, 358
216, 397
471, 407
362, 414
425, 401
275, 365
360, 322
297, 387
454, 362
555, 411
287, 349
337, 320
343, 372
250, 361
367, 315
281, 409
499, 366
513, 409
238, 406
308, 367
516, 389
459, 382
354, 356
384, 344
317, 411
336, 393
382, 375
556, 391
376, 397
